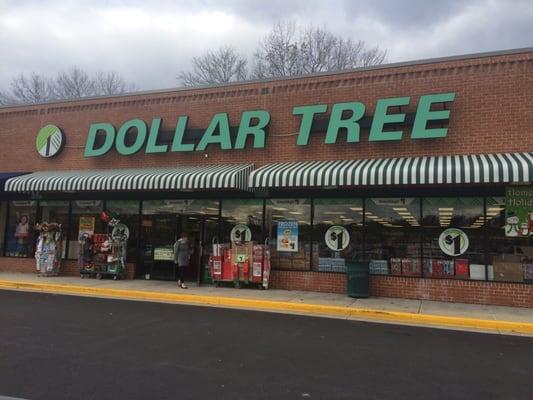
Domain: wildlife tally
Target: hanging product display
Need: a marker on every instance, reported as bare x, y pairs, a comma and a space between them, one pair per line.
104, 254
49, 249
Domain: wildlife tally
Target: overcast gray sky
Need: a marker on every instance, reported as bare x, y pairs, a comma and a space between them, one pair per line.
149, 42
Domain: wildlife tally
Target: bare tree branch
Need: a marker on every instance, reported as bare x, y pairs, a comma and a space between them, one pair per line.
6, 99
288, 51
71, 84
74, 84
277, 53
28, 89
221, 66
109, 83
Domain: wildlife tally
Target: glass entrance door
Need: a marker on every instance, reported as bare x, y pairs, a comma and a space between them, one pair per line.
201, 230
193, 226
158, 235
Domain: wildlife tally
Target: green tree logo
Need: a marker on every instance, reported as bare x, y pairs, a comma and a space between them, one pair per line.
49, 141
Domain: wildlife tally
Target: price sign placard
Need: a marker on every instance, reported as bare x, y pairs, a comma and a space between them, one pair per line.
241, 233
453, 242
337, 238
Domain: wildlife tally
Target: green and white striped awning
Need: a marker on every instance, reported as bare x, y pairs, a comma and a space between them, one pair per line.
180, 178
458, 169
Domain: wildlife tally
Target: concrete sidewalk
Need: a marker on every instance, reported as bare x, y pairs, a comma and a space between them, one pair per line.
483, 318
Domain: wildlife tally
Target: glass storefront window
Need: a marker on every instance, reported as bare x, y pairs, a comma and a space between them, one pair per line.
128, 214
346, 213
441, 214
510, 259
56, 211
20, 228
392, 230
3, 220
181, 206
290, 244
246, 211
88, 212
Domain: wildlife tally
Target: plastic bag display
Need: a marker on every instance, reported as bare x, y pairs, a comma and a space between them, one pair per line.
49, 249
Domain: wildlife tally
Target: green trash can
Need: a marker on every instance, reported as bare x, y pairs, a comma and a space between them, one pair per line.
357, 273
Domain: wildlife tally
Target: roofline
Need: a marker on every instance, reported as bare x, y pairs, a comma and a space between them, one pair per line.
286, 78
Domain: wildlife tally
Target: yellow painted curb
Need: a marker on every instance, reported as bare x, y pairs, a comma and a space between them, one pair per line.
281, 306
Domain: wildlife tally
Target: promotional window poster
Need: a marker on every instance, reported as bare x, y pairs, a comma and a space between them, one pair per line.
288, 236
519, 211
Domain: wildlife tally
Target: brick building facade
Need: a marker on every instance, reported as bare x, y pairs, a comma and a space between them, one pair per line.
490, 114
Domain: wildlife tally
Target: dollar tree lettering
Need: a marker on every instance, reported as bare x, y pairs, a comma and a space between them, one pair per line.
49, 141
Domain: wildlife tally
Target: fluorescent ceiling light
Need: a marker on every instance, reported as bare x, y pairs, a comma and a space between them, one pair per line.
445, 209
295, 212
280, 209
400, 209
373, 217
356, 208
404, 213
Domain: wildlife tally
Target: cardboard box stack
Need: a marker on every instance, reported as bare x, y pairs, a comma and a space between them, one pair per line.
299, 260
508, 268
396, 266
379, 267
330, 264
411, 267
437, 268
461, 268
477, 272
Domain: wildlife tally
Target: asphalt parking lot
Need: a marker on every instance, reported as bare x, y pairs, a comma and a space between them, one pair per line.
66, 347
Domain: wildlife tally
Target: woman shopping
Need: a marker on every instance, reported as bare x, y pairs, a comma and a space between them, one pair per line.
182, 257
